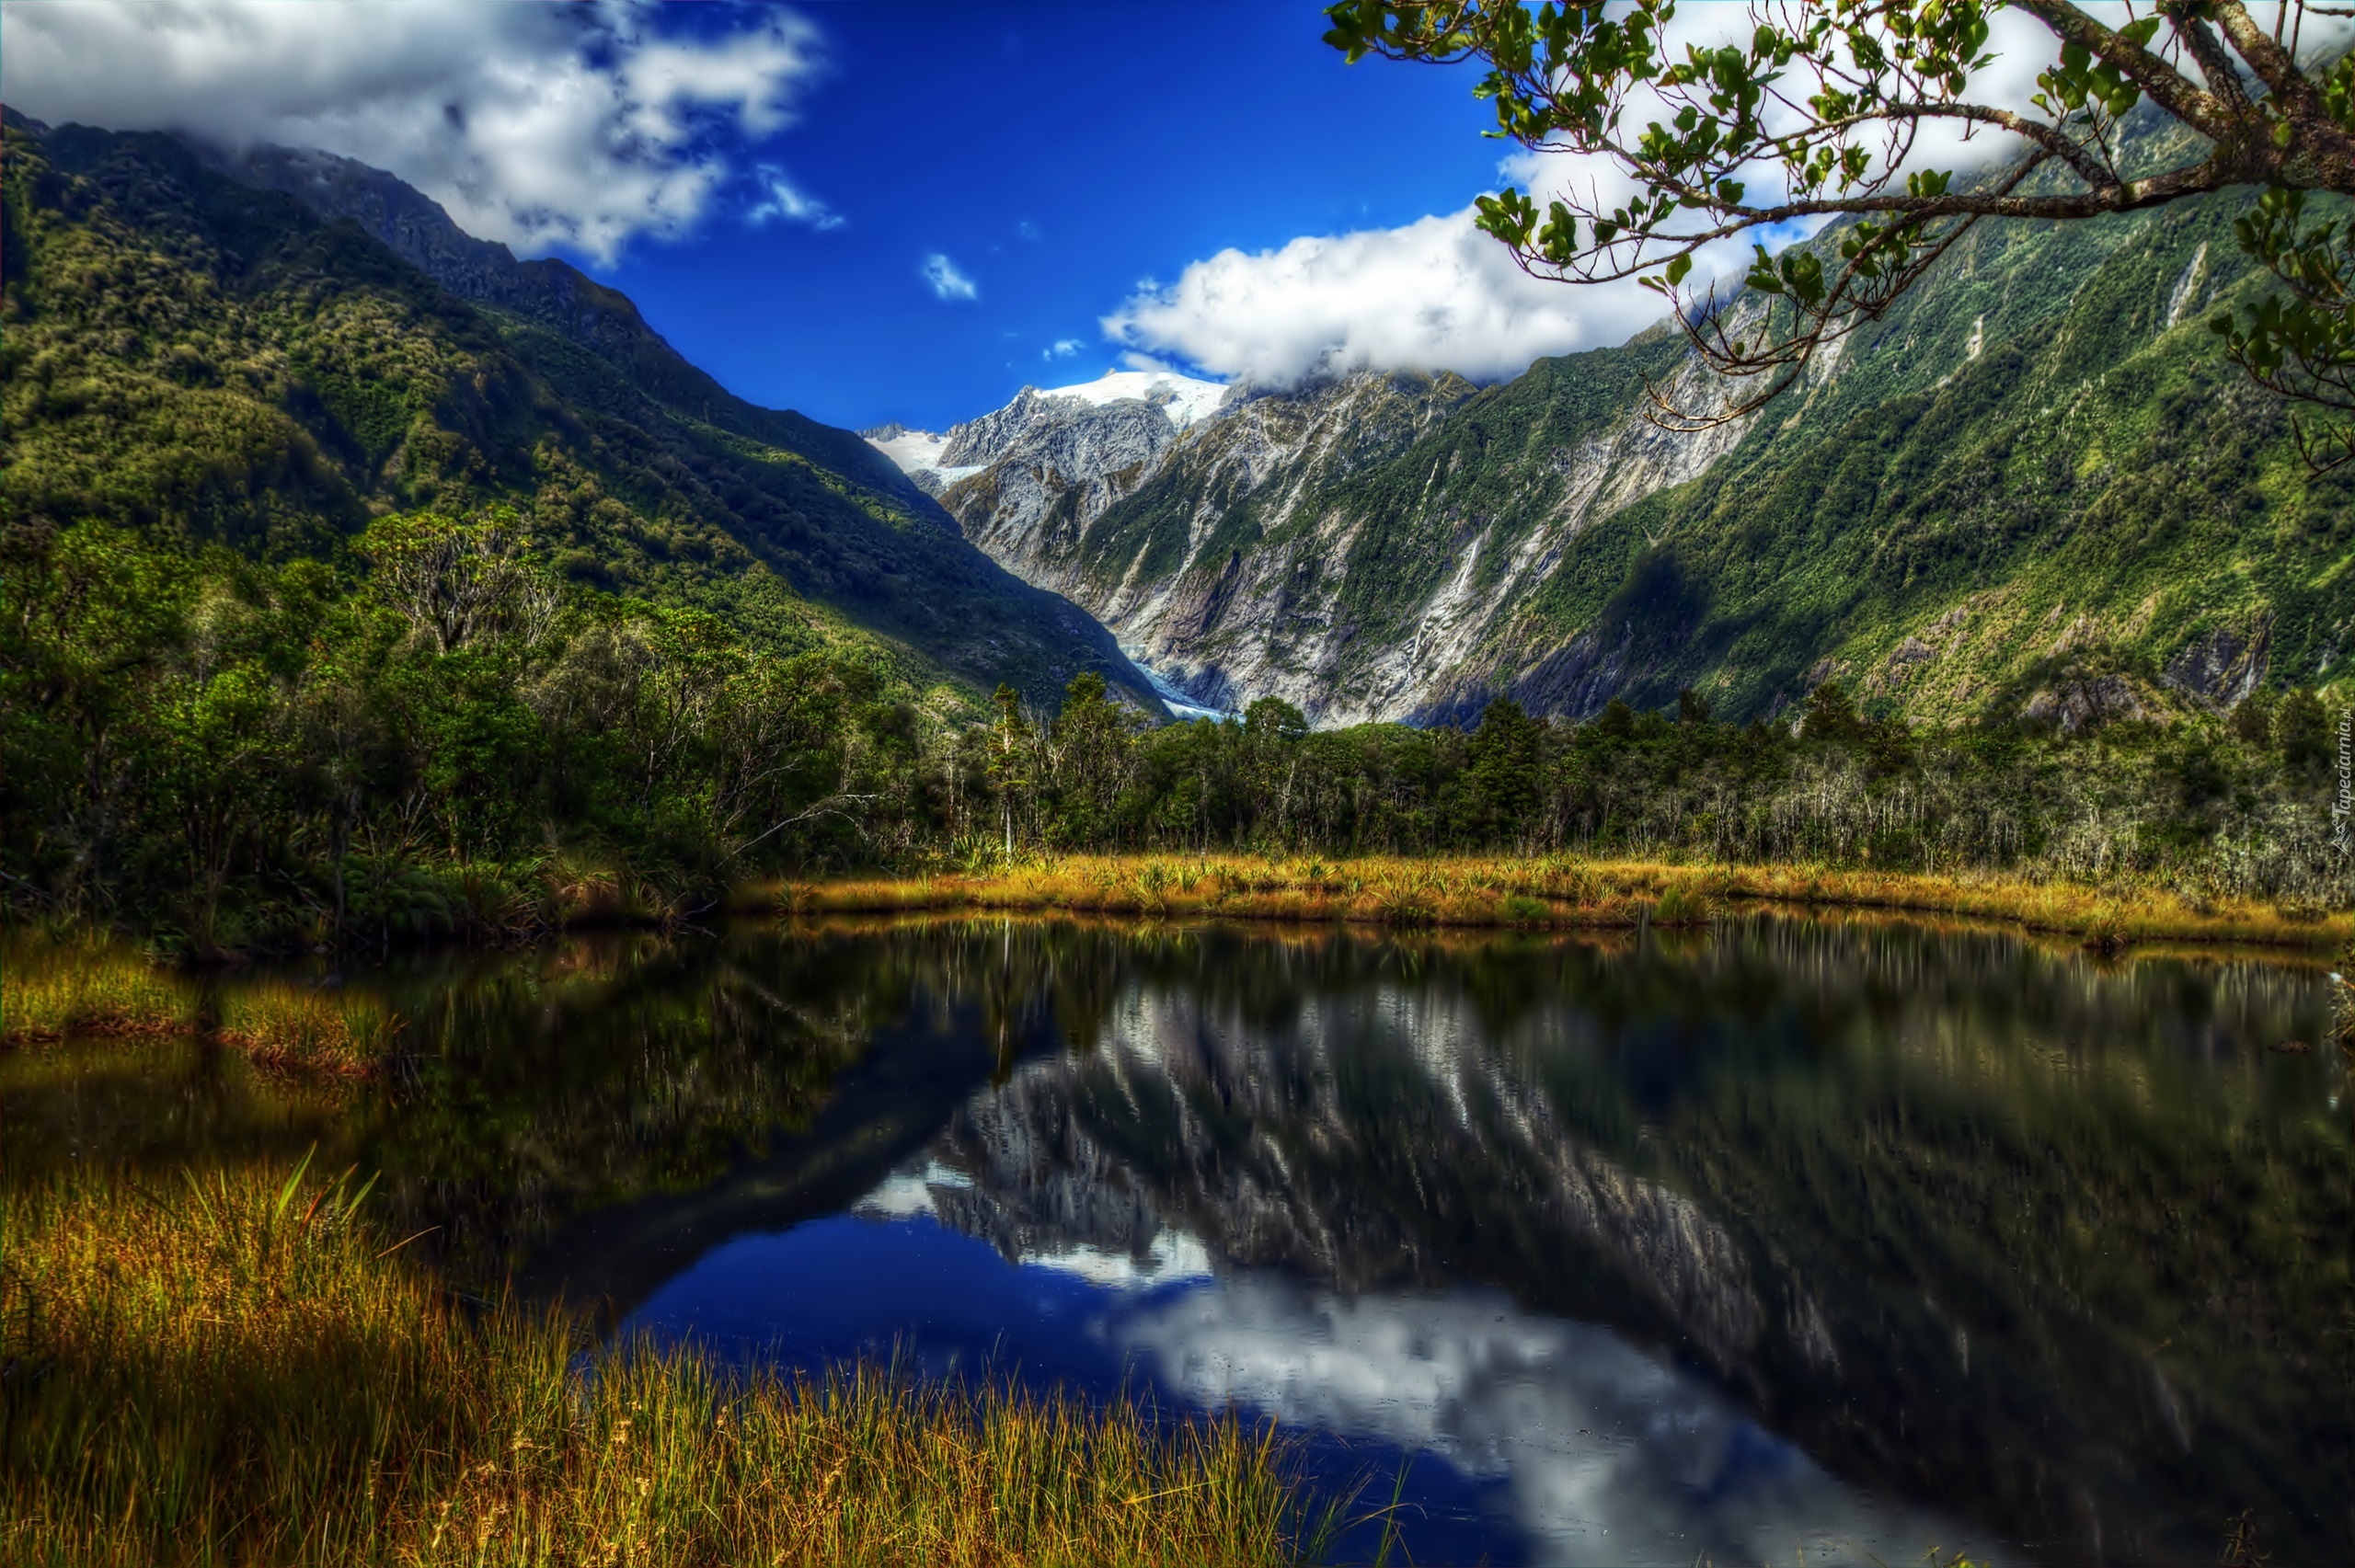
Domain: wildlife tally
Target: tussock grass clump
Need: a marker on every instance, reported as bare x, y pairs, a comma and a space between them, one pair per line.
302, 1026
1682, 904
244, 1370
49, 991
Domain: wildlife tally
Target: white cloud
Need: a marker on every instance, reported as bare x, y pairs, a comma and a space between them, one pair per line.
1437, 294
537, 125
782, 200
945, 282
1062, 349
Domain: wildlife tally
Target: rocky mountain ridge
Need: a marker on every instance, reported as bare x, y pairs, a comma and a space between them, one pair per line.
550, 294
1945, 516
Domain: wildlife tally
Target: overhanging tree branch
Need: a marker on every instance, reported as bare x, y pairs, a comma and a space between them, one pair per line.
1822, 105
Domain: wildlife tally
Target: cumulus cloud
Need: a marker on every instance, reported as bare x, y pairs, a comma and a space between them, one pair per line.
945, 282
1434, 294
537, 125
1061, 349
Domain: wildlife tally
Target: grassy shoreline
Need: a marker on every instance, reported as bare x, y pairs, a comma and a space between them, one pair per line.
1555, 892
241, 1368
90, 988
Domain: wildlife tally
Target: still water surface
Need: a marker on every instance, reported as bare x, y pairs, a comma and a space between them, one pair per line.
1848, 1240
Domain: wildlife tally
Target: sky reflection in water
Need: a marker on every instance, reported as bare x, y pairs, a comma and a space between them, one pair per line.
1534, 1438
1792, 1241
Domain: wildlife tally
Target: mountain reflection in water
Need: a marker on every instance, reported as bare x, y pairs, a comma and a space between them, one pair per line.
2048, 1250
1849, 1236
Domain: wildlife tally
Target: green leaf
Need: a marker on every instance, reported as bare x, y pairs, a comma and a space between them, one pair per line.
286, 1193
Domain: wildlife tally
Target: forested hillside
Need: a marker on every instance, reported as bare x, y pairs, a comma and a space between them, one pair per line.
2035, 488
208, 363
336, 604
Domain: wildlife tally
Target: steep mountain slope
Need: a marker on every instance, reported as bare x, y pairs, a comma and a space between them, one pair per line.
2033, 489
2036, 488
1111, 503
217, 361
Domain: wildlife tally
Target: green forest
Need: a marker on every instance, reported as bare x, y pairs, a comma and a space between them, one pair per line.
340, 609
436, 732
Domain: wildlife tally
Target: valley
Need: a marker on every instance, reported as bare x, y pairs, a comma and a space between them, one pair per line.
1388, 916
2035, 487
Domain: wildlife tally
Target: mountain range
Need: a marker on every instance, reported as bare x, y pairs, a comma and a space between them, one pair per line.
2034, 488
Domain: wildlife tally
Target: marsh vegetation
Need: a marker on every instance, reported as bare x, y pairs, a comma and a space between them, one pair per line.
245, 1368
1967, 1178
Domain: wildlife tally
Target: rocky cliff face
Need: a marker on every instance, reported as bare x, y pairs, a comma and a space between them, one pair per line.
1029, 478
1033, 484
2034, 488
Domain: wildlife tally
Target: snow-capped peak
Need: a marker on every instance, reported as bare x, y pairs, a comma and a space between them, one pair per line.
1183, 398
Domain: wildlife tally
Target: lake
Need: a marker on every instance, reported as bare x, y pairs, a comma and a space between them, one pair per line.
1849, 1239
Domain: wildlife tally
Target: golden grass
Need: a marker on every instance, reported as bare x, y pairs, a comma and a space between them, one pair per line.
1550, 892
50, 991
58, 991
236, 1370
279, 1024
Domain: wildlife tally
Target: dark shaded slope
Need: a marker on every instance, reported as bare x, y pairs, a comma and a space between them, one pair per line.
213, 361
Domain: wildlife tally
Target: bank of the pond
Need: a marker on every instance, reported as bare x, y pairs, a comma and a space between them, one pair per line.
87, 986
1560, 892
241, 1368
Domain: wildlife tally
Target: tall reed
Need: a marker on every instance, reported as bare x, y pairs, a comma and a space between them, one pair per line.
244, 1370
1563, 891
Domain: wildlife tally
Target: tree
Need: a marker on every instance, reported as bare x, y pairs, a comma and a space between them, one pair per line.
1012, 765
1831, 715
2302, 732
1501, 775
1271, 735
457, 581
1092, 746
1816, 114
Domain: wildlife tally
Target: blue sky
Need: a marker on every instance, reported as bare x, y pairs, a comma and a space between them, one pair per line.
901, 211
1057, 153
